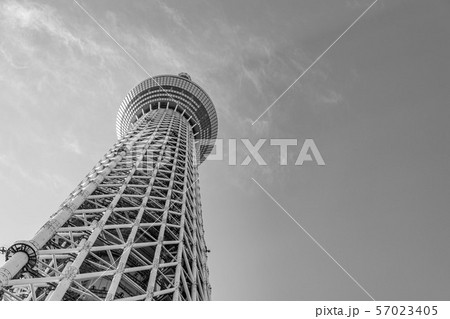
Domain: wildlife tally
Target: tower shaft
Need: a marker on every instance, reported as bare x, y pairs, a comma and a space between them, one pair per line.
131, 230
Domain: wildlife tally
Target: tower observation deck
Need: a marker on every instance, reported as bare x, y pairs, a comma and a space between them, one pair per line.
132, 229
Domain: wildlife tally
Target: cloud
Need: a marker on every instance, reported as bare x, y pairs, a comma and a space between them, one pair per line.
174, 15
37, 17
162, 52
56, 181
12, 165
71, 144
11, 169
331, 97
21, 22
9, 59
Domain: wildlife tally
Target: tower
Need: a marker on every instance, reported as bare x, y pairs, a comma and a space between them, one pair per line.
132, 229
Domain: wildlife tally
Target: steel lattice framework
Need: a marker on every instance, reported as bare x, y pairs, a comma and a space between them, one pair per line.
132, 229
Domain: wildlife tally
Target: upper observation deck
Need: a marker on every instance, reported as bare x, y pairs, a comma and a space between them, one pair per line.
177, 92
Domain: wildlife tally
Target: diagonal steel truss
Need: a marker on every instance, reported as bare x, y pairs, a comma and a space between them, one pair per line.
131, 230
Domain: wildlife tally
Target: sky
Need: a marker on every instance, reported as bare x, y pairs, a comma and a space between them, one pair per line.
376, 105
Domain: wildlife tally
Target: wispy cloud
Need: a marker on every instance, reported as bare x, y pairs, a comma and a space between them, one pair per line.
56, 181
160, 52
42, 18
176, 16
9, 59
330, 97
70, 143
40, 37
38, 17
9, 163
11, 168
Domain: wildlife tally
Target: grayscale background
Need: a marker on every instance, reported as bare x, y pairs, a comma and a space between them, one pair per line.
376, 105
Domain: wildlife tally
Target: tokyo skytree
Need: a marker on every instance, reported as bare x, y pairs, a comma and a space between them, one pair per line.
132, 229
